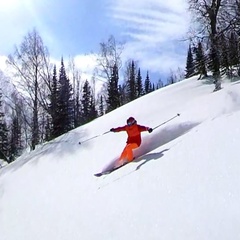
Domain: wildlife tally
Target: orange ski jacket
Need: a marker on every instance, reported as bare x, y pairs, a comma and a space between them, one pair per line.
133, 131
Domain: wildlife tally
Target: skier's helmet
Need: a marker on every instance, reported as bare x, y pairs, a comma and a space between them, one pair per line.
131, 121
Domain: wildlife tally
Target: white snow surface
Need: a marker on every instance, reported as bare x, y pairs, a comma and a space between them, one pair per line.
185, 186
3, 163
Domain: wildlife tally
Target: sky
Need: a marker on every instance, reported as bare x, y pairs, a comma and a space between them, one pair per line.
152, 30
184, 183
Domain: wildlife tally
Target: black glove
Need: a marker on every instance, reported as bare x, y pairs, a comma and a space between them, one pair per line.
112, 130
150, 130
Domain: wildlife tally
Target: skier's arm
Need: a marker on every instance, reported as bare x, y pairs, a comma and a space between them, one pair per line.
143, 128
118, 129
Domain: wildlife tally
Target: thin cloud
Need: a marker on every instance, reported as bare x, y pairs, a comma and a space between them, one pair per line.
86, 62
154, 29
26, 15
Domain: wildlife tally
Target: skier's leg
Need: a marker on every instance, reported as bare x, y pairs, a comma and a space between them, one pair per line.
123, 157
129, 150
127, 154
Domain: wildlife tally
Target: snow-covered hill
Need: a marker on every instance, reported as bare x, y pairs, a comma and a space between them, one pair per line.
185, 186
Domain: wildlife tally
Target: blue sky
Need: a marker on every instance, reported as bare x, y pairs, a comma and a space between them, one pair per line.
151, 29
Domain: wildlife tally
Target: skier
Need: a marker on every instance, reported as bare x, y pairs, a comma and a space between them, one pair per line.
133, 141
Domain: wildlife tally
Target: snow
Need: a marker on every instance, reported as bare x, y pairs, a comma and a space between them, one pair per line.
3, 163
185, 186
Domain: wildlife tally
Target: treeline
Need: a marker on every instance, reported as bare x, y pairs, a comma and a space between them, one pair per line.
46, 102
215, 45
199, 59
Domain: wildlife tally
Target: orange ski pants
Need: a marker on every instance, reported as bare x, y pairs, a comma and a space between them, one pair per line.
127, 153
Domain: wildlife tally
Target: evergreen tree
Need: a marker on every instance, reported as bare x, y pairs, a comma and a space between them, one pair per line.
122, 94
66, 103
113, 100
88, 104
147, 84
55, 127
200, 64
190, 63
159, 84
139, 85
93, 110
48, 130
214, 64
15, 138
233, 49
131, 82
223, 54
153, 87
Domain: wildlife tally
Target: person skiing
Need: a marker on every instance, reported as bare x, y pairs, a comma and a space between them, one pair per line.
133, 141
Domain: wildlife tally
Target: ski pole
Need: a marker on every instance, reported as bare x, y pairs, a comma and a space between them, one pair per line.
170, 119
94, 137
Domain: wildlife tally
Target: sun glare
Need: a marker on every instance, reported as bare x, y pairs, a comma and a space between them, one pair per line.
11, 4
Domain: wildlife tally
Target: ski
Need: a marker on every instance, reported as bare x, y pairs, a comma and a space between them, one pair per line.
109, 171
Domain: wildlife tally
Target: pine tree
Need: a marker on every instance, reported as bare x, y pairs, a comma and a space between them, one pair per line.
223, 54
15, 138
93, 110
88, 104
65, 107
200, 64
48, 130
214, 63
139, 85
159, 84
113, 100
147, 84
54, 110
131, 82
233, 49
190, 64
153, 87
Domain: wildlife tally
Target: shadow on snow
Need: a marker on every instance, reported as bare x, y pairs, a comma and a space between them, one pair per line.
166, 135
149, 157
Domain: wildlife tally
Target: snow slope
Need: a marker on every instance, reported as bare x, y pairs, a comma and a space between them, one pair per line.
3, 163
185, 186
